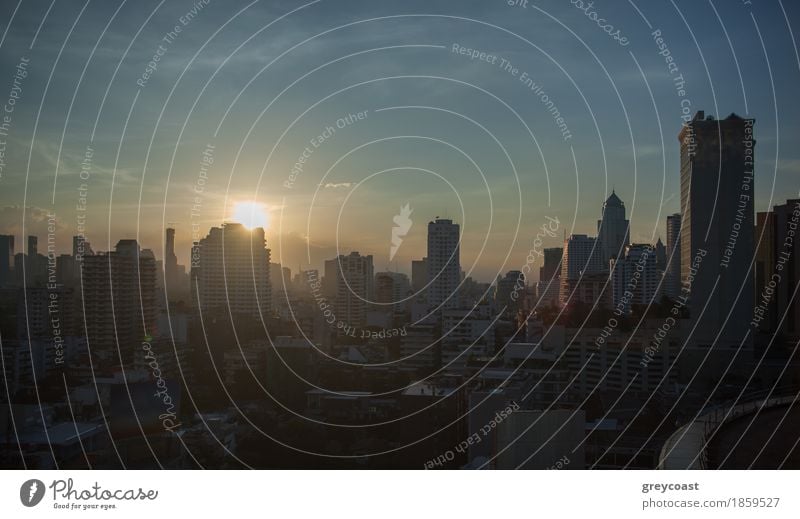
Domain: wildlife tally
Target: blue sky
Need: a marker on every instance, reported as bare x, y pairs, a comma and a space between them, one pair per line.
450, 135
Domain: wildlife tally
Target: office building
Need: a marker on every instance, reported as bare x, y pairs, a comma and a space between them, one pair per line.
717, 158
613, 230
230, 271
444, 263
582, 256
355, 276
672, 274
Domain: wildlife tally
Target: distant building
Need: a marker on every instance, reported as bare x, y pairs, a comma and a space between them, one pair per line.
613, 230
329, 280
509, 291
175, 278
764, 270
6, 260
672, 274
582, 256
634, 277
230, 271
355, 277
391, 288
549, 285
783, 272
419, 275
119, 300
444, 263
661, 256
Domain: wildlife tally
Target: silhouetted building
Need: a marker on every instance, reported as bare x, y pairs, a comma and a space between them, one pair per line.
6, 260
509, 291
444, 263
764, 272
230, 271
391, 288
661, 256
613, 230
549, 284
419, 275
787, 267
634, 277
672, 274
175, 278
717, 233
119, 300
355, 278
582, 256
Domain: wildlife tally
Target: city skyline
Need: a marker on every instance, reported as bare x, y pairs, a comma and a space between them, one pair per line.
370, 234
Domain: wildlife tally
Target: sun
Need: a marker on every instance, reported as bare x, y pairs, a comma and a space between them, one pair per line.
251, 215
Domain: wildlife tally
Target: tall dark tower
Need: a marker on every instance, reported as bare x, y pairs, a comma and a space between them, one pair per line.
613, 230
672, 276
6, 259
717, 231
170, 263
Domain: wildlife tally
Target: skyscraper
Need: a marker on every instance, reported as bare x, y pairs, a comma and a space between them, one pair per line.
613, 230
444, 263
717, 232
355, 278
390, 289
119, 297
230, 270
765, 270
548, 287
510, 291
170, 264
634, 277
787, 265
6, 259
582, 256
661, 255
419, 275
672, 274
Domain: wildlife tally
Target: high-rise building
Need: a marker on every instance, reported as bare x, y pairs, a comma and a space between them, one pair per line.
231, 271
582, 256
6, 260
549, 285
634, 277
355, 277
765, 269
170, 264
119, 298
81, 248
672, 274
787, 265
509, 291
613, 230
30, 268
331, 270
444, 263
419, 275
661, 256
717, 158
391, 288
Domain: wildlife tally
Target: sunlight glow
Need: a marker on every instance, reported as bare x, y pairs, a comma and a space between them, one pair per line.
251, 215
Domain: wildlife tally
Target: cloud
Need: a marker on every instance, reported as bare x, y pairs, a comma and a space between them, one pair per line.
331, 185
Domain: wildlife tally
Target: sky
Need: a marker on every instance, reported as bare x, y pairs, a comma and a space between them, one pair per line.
335, 113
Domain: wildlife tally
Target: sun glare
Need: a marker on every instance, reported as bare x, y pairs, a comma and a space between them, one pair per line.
251, 214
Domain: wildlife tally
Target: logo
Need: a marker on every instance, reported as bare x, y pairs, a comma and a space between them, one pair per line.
402, 223
31, 492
